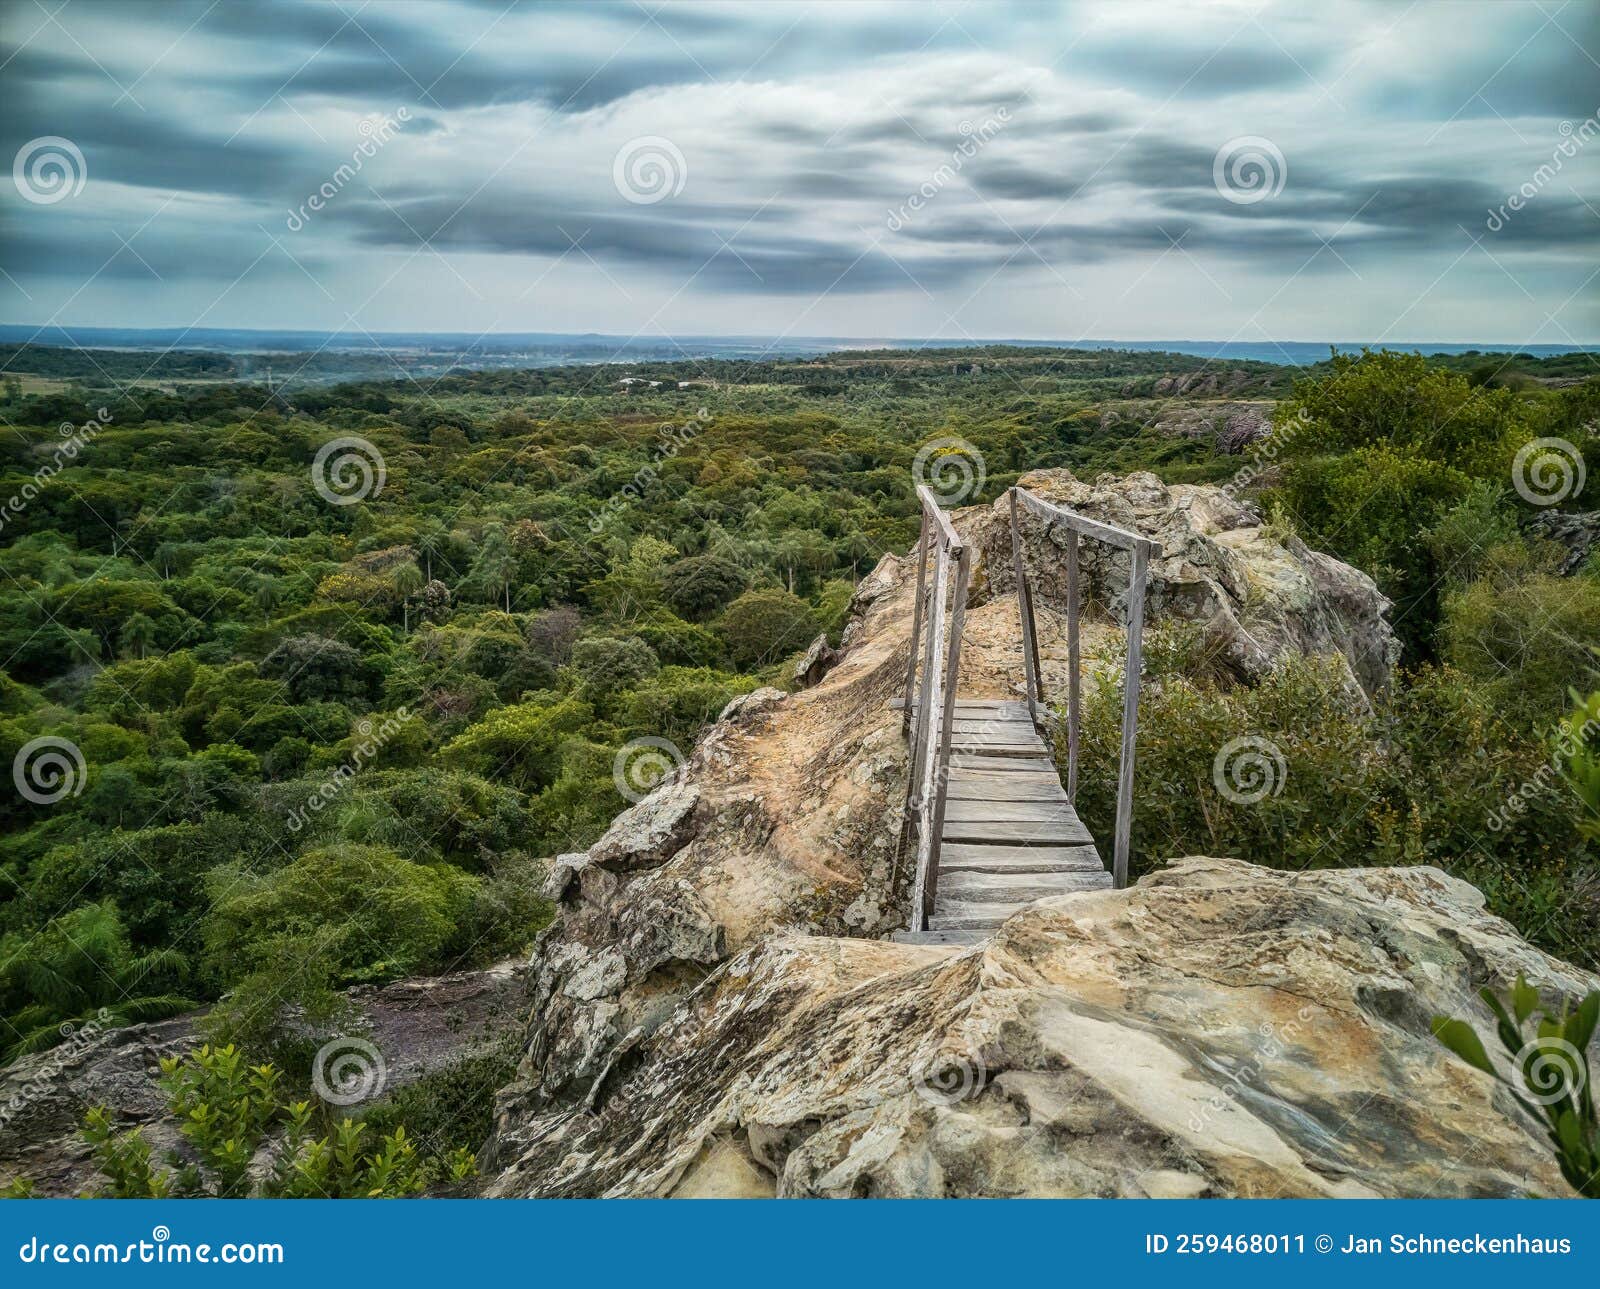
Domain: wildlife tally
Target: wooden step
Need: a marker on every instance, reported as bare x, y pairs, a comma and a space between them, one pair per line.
940, 937
1018, 859
1056, 810
992, 832
1010, 787
1001, 763
1018, 888
963, 916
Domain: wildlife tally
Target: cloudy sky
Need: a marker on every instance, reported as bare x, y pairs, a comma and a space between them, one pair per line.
1338, 170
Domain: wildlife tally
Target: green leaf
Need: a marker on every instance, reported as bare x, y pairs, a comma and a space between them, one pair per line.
1463, 1040
1580, 1025
1524, 998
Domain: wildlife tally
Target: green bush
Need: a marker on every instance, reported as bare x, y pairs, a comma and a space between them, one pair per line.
227, 1110
364, 912
763, 626
1425, 779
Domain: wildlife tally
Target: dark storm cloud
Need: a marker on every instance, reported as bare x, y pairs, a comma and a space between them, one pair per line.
803, 128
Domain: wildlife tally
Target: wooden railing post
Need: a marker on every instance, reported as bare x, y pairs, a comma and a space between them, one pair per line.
941, 778
1030, 651
1130, 711
1074, 669
916, 624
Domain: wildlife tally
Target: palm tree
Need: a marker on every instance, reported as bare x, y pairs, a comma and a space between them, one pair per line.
81, 969
137, 633
407, 580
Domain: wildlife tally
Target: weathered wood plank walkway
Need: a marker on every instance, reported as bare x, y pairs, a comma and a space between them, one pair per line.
1009, 834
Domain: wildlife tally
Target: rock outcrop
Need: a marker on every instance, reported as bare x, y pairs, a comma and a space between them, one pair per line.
417, 1026
1259, 598
786, 817
1218, 1029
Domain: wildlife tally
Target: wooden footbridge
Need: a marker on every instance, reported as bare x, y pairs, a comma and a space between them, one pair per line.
993, 826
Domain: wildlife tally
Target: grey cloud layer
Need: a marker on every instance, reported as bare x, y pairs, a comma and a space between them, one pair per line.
823, 144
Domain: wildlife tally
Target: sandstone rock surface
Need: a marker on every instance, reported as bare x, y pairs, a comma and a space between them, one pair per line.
1218, 1029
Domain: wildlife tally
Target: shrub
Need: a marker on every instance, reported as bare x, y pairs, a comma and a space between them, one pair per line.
227, 1110
1424, 779
363, 911
762, 626
699, 587
609, 664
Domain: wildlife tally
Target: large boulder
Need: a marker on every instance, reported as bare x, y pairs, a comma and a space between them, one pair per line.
1217, 1030
1259, 597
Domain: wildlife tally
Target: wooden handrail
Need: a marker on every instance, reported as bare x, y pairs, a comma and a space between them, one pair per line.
930, 708
1143, 549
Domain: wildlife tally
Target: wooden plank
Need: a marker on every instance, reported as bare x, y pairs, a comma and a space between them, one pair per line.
1020, 859
1030, 655
908, 701
1108, 533
968, 854
996, 832
922, 764
1019, 731
1000, 761
1007, 787
1018, 888
931, 507
991, 769
1014, 811
950, 938
1074, 671
968, 746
